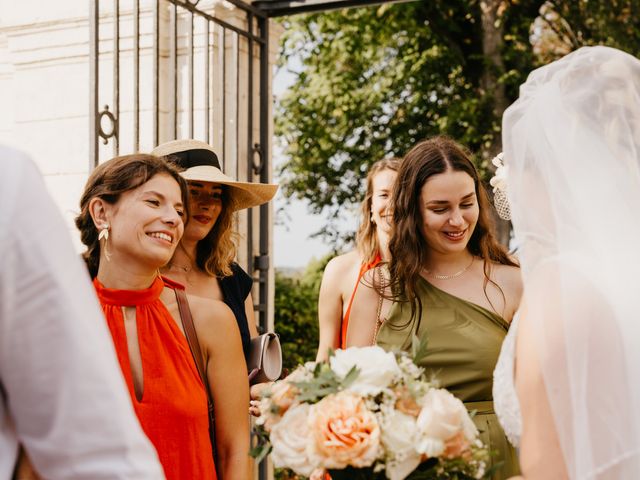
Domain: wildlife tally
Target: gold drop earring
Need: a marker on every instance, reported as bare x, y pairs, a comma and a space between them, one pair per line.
104, 234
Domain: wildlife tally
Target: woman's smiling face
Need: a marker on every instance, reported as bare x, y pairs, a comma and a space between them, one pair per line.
205, 205
146, 223
380, 200
450, 211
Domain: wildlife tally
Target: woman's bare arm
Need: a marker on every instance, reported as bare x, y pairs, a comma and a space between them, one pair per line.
251, 317
338, 272
227, 374
364, 312
540, 453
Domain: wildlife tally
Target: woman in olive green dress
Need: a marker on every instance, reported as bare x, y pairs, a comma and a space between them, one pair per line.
448, 281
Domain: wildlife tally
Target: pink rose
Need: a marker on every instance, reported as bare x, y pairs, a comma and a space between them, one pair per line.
343, 432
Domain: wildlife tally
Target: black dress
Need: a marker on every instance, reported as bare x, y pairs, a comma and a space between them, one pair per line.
235, 290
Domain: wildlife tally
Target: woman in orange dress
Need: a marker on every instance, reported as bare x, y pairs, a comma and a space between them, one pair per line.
132, 217
343, 273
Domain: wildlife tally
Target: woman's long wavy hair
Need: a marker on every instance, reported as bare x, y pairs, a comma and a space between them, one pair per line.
408, 246
217, 251
109, 181
366, 238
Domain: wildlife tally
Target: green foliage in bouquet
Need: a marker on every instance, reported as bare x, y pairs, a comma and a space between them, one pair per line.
324, 382
368, 414
431, 469
428, 470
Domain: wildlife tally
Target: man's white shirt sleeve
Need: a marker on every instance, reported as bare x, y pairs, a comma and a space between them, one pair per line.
66, 400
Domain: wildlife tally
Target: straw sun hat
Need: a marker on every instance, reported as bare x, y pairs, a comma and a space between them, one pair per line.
201, 164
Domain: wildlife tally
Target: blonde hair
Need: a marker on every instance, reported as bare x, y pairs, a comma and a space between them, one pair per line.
216, 252
366, 238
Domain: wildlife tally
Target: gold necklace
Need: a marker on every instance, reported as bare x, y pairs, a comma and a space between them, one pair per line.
175, 266
453, 275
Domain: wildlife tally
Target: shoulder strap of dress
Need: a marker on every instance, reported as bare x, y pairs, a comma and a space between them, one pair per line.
192, 337
364, 268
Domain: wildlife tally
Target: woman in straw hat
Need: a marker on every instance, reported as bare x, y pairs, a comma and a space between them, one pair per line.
204, 260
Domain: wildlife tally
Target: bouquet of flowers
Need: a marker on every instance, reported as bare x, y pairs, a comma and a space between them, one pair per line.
370, 414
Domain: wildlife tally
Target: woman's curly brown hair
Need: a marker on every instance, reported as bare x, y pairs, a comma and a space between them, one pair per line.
110, 180
408, 246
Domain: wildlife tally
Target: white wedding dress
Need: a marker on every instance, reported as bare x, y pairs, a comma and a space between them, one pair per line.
505, 400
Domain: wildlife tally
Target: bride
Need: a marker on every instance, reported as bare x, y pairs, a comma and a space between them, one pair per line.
567, 385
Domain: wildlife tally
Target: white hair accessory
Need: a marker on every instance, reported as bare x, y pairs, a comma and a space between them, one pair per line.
499, 184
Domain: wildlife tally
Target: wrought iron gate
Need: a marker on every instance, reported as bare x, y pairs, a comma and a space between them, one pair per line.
167, 69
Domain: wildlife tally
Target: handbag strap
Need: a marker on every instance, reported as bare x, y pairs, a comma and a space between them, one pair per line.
192, 337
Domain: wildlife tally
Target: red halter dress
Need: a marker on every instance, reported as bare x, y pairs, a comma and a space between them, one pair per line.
173, 407
364, 268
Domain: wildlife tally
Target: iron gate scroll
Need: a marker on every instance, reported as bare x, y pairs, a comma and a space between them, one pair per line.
168, 69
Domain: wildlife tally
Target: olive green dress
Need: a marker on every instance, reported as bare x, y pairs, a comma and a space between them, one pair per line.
464, 341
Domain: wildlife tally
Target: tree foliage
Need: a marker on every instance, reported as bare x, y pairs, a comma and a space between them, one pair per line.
296, 313
371, 82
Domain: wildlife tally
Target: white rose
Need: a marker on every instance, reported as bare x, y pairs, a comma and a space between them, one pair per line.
396, 470
442, 417
378, 368
399, 433
398, 438
289, 438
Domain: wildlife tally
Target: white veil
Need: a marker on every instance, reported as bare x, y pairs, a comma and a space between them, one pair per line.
572, 149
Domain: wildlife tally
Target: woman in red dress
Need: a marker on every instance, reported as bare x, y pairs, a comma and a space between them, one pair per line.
132, 217
343, 273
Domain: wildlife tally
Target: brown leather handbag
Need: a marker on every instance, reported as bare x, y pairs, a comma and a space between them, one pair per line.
194, 346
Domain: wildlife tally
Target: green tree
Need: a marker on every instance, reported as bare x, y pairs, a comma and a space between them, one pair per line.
374, 81
371, 82
296, 313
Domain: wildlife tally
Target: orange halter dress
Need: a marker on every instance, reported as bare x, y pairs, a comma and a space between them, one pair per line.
173, 407
364, 268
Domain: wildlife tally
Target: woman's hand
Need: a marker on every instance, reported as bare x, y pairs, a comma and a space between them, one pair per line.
257, 391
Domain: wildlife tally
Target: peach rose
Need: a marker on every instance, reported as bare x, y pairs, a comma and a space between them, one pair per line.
405, 402
280, 396
318, 474
456, 447
283, 395
343, 432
